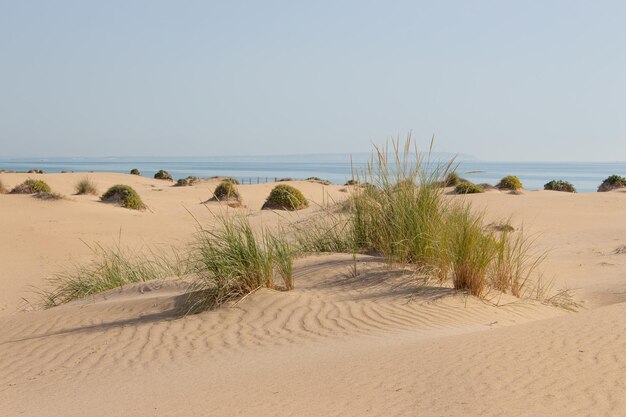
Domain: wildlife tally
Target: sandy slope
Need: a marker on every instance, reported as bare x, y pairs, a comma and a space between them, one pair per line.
379, 343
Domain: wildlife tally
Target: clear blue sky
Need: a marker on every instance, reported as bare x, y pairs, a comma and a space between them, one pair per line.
501, 80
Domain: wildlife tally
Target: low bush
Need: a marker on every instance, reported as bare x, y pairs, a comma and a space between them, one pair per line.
510, 182
226, 191
86, 186
49, 196
163, 175
560, 185
135, 171
319, 180
352, 182
124, 196
186, 182
611, 183
35, 171
468, 188
31, 186
285, 197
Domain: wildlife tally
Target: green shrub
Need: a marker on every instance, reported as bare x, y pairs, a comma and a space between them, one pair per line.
35, 171
135, 171
611, 183
560, 185
163, 175
452, 180
186, 182
510, 182
352, 182
468, 188
226, 191
31, 186
123, 195
232, 260
86, 186
285, 197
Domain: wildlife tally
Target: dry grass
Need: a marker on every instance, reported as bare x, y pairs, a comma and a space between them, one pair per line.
86, 186
49, 196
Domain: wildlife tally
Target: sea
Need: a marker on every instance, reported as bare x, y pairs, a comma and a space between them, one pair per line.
585, 176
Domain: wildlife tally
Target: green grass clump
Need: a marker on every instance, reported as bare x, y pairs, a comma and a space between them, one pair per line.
31, 186
232, 260
226, 191
186, 182
125, 196
285, 197
611, 183
468, 188
163, 175
86, 186
111, 268
560, 185
510, 182
452, 180
135, 171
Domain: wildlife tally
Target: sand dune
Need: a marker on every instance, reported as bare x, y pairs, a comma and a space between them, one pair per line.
379, 343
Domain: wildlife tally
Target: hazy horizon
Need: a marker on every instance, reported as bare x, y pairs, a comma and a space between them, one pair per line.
499, 81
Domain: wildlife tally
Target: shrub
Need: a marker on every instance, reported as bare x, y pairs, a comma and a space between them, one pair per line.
49, 196
352, 182
226, 191
285, 197
123, 195
35, 171
86, 186
452, 180
468, 188
135, 171
560, 185
510, 182
31, 186
185, 182
231, 261
231, 180
163, 175
611, 183
318, 180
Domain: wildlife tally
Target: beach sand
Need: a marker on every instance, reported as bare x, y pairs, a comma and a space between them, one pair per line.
373, 344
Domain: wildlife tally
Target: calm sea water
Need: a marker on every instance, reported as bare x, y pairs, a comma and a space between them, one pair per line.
585, 176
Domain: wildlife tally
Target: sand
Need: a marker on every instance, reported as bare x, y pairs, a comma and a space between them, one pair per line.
374, 344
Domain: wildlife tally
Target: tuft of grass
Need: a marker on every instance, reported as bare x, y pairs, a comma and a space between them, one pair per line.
135, 171
468, 188
125, 196
612, 183
108, 269
86, 186
452, 180
285, 197
31, 186
51, 196
232, 261
560, 185
510, 182
163, 175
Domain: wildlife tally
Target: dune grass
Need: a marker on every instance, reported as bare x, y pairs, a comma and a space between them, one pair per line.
111, 268
86, 186
231, 260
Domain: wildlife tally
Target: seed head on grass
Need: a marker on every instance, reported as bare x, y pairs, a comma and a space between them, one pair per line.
86, 186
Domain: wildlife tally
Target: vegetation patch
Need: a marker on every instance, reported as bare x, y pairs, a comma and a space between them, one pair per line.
31, 186
560, 185
352, 182
86, 186
135, 171
186, 182
163, 175
51, 196
319, 180
226, 191
468, 188
510, 182
285, 197
123, 195
35, 171
612, 183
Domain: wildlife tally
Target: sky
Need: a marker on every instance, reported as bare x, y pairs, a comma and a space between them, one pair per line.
499, 80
